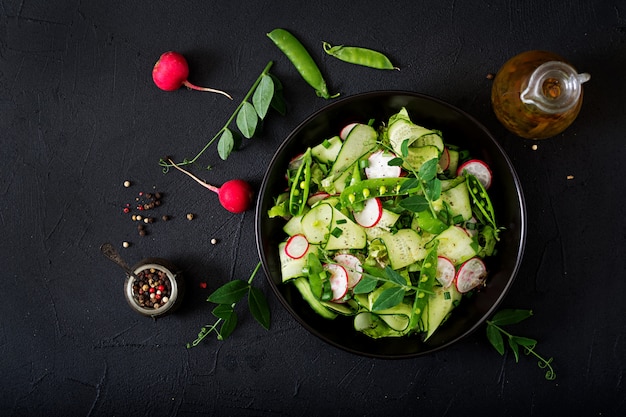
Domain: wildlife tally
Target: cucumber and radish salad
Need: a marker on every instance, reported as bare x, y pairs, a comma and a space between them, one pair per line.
388, 224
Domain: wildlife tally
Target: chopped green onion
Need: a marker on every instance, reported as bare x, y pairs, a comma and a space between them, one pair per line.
364, 163
326, 143
457, 219
342, 221
336, 232
446, 295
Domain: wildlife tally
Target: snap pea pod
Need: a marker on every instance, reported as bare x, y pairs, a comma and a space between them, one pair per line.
428, 274
481, 199
375, 187
359, 56
300, 186
318, 279
301, 59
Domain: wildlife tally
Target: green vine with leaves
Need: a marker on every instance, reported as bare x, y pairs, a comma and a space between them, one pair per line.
266, 92
496, 335
226, 297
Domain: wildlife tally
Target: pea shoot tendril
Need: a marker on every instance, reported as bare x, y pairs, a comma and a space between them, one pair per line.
226, 297
265, 92
495, 334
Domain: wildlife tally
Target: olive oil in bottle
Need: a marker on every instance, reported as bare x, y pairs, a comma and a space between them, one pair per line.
537, 94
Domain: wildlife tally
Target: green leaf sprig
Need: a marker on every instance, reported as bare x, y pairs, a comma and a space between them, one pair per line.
496, 334
425, 179
266, 92
226, 297
398, 284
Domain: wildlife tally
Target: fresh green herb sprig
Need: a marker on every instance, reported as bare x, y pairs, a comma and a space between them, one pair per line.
425, 179
394, 295
496, 334
266, 92
226, 297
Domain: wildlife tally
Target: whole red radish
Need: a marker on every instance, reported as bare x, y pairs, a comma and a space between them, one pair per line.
171, 71
234, 195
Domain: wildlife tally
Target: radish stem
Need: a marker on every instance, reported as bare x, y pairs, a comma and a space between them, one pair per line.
210, 90
198, 180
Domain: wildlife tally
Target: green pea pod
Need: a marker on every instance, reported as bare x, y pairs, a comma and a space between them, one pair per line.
427, 275
359, 56
300, 186
301, 59
320, 285
375, 187
481, 199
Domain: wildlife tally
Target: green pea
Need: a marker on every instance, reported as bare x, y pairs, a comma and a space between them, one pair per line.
359, 56
381, 187
301, 59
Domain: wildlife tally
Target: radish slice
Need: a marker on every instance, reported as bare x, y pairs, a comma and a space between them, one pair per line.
353, 266
346, 130
479, 169
338, 280
296, 246
378, 166
445, 271
471, 274
444, 161
317, 197
371, 213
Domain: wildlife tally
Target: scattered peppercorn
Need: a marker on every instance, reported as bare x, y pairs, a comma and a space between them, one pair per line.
165, 218
144, 202
490, 76
125, 244
213, 241
190, 216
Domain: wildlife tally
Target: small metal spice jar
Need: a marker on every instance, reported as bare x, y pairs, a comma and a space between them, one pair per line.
156, 287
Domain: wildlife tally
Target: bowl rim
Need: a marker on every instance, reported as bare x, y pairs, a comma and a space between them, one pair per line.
259, 217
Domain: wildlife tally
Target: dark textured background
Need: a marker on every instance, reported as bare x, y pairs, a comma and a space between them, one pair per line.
79, 115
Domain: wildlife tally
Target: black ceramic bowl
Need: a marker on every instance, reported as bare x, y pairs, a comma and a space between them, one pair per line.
457, 128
